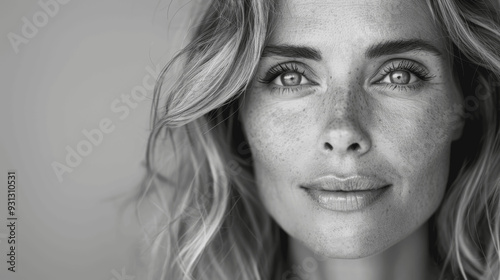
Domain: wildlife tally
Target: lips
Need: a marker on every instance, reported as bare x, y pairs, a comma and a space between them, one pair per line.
346, 194
347, 184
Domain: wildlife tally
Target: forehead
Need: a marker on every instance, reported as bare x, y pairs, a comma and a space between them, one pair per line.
344, 23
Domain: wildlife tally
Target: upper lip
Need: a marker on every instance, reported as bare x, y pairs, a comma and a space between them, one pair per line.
351, 183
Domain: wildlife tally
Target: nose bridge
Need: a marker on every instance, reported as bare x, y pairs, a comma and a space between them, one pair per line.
343, 105
343, 132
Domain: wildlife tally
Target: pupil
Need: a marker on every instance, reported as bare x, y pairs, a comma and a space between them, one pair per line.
290, 79
400, 77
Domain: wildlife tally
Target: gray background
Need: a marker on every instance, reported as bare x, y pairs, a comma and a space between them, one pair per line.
64, 79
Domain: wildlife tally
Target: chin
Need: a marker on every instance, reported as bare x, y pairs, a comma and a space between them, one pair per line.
353, 247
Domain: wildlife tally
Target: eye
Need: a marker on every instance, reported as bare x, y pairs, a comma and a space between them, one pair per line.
287, 75
399, 77
404, 75
290, 79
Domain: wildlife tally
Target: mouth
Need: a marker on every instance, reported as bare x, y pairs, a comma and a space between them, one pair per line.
346, 194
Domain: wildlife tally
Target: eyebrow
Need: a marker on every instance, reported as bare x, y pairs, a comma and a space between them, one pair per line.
292, 51
374, 51
401, 46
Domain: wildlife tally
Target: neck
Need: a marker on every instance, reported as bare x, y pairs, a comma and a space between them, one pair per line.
408, 259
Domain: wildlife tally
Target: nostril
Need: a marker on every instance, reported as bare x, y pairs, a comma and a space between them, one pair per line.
354, 147
328, 146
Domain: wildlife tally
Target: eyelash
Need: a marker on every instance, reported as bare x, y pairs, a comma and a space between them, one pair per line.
410, 66
280, 69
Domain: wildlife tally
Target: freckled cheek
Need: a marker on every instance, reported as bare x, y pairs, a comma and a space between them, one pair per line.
417, 144
418, 137
420, 156
276, 137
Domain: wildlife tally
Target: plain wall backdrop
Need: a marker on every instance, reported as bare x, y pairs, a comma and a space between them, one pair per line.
67, 70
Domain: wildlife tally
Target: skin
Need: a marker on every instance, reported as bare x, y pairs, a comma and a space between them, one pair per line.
402, 135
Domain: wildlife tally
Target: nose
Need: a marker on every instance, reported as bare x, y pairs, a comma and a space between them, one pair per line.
343, 134
346, 139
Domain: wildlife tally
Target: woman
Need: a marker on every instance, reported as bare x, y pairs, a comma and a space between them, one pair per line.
330, 140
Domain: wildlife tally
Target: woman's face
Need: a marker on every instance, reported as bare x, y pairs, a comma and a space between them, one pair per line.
349, 119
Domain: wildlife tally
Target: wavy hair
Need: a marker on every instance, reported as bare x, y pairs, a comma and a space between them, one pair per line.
208, 220
467, 225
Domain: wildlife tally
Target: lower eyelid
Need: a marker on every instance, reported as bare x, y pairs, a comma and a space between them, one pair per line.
300, 90
286, 89
411, 87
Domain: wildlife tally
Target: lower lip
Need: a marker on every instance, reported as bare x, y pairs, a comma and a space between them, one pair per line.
346, 201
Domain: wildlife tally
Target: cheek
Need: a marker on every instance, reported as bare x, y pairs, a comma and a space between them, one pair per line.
279, 136
422, 134
416, 140
276, 134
